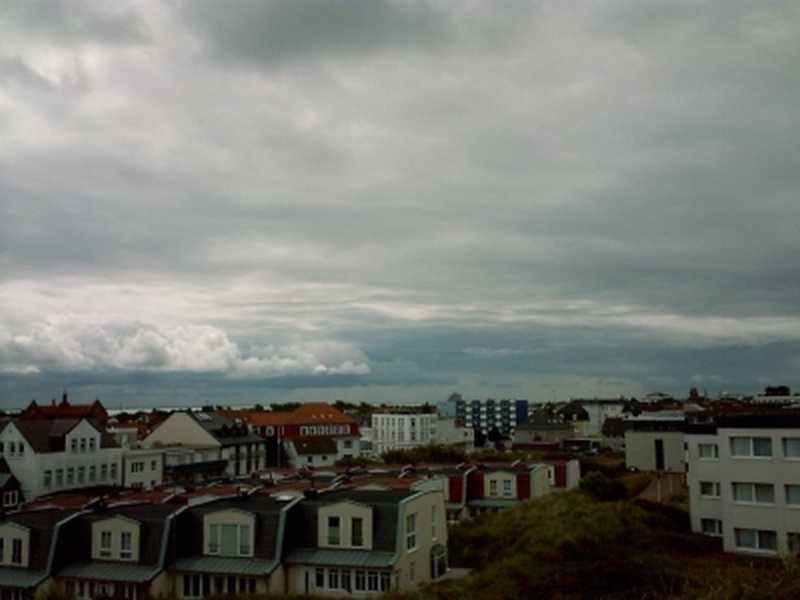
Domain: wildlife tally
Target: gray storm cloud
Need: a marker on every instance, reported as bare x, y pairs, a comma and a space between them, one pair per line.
399, 195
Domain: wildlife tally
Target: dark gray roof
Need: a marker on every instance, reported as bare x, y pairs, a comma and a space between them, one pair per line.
73, 554
226, 431
41, 524
267, 517
224, 565
301, 527
47, 435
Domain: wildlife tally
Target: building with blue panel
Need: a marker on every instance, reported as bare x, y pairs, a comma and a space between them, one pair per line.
485, 415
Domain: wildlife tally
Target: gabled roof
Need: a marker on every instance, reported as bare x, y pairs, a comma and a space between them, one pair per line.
226, 431
64, 410
47, 435
42, 527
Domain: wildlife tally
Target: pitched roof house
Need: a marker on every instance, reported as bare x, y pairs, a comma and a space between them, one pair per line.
65, 410
27, 548
117, 552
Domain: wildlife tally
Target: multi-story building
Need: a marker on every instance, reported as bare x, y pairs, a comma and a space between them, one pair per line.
654, 442
27, 549
197, 443
54, 454
118, 552
364, 543
401, 431
343, 542
489, 414
597, 411
66, 410
290, 435
744, 482
143, 468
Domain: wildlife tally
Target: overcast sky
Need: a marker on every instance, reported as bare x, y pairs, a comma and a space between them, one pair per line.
251, 201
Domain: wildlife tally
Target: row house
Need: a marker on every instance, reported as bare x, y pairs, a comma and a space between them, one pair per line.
27, 550
744, 482
202, 445
295, 436
346, 542
52, 455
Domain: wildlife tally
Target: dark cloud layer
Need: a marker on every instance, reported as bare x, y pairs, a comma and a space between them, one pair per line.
394, 199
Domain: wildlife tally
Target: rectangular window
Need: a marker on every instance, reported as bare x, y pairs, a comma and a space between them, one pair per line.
244, 540
16, 551
333, 531
320, 578
333, 579
411, 532
113, 471
791, 447
756, 539
105, 544
91, 444
213, 539
103, 472
708, 451
793, 494
74, 445
711, 526
81, 474
507, 488
361, 581
346, 580
92, 473
761, 493
385, 581
228, 541
70, 475
357, 531
751, 447
83, 444
709, 489
126, 546
48, 478
493, 487
2, 550
372, 581
793, 542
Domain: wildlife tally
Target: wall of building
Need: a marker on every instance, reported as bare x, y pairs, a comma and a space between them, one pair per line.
640, 450
143, 468
179, 429
726, 469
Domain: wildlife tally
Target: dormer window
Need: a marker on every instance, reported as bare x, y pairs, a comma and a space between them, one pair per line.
91, 444
126, 546
334, 528
16, 551
74, 445
105, 544
230, 540
83, 445
357, 532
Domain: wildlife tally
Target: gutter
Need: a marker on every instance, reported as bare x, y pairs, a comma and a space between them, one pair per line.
52, 553
281, 528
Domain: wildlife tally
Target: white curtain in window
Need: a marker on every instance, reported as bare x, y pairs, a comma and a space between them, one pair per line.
740, 446
793, 494
743, 492
228, 545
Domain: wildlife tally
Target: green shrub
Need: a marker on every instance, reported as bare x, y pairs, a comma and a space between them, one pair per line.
603, 488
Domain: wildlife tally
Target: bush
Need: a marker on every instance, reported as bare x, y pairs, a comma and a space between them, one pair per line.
603, 488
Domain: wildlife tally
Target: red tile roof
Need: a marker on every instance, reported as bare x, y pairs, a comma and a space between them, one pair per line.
318, 412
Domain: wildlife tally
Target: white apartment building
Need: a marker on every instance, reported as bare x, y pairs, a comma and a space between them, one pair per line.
51, 455
143, 468
401, 431
744, 482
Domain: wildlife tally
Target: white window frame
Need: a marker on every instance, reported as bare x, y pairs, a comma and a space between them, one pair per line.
411, 532
753, 494
715, 487
714, 451
757, 547
752, 446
